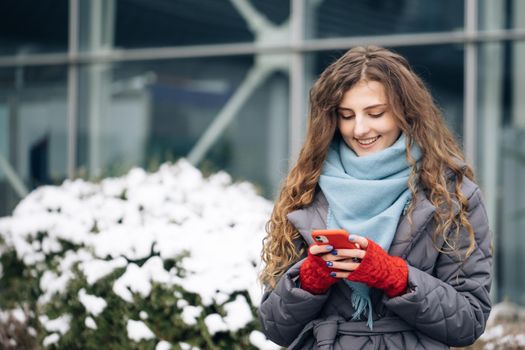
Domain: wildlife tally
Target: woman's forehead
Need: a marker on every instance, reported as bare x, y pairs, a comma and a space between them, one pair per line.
364, 94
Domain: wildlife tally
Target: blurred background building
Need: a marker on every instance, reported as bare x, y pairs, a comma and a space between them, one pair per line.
91, 88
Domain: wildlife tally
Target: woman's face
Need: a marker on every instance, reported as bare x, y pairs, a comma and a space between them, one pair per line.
365, 120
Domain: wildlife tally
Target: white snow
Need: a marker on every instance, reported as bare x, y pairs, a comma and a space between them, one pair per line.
186, 346
520, 339
131, 242
138, 279
96, 269
59, 324
93, 304
190, 314
17, 314
499, 337
505, 327
163, 345
258, 339
215, 323
181, 302
31, 331
90, 323
50, 245
50, 339
52, 283
137, 330
492, 333
238, 313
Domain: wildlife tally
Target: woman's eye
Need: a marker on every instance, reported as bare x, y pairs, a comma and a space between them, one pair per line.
346, 116
377, 115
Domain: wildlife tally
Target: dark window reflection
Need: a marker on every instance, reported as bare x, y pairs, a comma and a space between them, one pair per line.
277, 11
28, 26
148, 23
341, 18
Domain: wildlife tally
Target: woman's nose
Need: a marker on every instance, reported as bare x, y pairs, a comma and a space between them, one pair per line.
361, 127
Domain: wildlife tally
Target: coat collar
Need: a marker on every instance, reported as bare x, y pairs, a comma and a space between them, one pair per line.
312, 217
407, 234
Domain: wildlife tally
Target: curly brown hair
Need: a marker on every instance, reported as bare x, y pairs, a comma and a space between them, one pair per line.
419, 119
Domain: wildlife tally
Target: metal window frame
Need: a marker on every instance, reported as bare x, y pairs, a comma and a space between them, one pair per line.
470, 85
296, 81
302, 46
72, 89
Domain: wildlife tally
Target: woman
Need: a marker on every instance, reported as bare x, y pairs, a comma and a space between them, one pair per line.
379, 162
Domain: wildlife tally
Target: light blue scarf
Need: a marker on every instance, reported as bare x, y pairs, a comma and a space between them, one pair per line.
366, 196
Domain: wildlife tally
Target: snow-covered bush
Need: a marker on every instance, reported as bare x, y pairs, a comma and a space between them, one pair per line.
166, 260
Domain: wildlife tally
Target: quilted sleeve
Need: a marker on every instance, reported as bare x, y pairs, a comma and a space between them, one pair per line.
285, 310
453, 306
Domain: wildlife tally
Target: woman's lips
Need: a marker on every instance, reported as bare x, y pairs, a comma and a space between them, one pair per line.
368, 142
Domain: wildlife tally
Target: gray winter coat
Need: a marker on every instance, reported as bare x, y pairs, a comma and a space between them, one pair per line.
447, 303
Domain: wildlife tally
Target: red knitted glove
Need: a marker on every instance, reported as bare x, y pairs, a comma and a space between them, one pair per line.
382, 271
315, 275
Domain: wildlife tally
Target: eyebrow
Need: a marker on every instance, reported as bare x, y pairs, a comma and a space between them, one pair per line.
369, 107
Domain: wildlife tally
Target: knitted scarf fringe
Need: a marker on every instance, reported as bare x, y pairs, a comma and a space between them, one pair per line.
361, 302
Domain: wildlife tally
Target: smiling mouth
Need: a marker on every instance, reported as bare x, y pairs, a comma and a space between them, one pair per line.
367, 142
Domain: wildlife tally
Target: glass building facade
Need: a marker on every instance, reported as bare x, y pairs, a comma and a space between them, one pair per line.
91, 88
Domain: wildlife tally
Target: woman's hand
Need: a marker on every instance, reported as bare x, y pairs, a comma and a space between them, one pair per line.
377, 269
315, 275
342, 261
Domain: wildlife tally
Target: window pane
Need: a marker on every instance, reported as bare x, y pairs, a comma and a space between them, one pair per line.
33, 124
158, 23
342, 18
146, 113
277, 11
501, 159
33, 26
146, 23
440, 67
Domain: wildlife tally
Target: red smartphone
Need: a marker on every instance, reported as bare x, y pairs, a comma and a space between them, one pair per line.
336, 238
